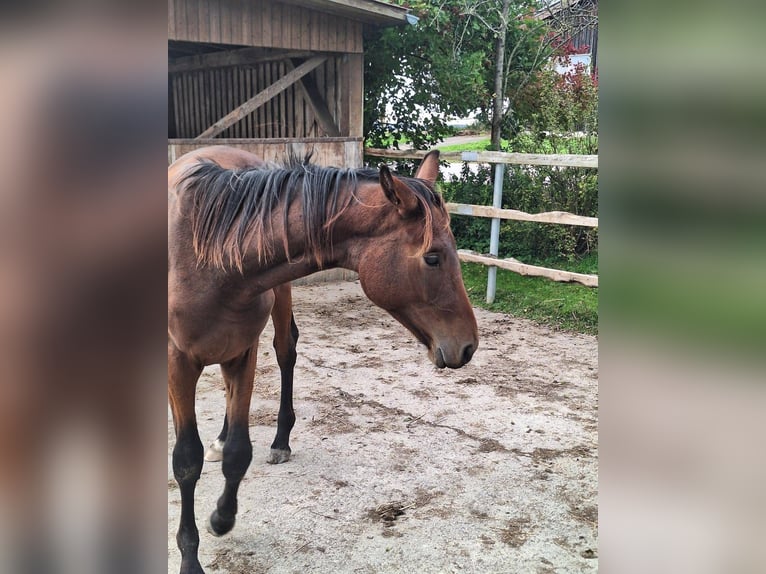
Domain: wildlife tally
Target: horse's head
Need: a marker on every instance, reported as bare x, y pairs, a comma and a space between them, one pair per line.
411, 268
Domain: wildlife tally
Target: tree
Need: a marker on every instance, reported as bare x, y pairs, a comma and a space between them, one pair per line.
462, 55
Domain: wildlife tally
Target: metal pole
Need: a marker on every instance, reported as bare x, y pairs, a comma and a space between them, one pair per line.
494, 234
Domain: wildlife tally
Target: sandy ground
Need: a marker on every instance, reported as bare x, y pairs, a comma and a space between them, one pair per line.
400, 467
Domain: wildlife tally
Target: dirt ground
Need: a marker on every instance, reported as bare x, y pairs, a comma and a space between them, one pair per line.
400, 467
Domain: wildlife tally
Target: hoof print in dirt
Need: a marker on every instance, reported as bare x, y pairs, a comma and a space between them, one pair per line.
387, 513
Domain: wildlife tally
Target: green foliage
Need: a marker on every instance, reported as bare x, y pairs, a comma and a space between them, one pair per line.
562, 104
554, 103
417, 76
533, 190
567, 306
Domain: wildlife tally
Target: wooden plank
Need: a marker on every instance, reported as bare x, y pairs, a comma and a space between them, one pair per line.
236, 16
241, 82
305, 16
532, 270
260, 113
267, 111
215, 21
330, 92
355, 95
560, 160
324, 29
282, 98
181, 29
229, 58
317, 103
194, 102
224, 8
187, 104
409, 154
231, 101
196, 142
218, 92
192, 18
177, 103
203, 20
267, 39
247, 23
276, 26
315, 28
262, 97
207, 116
171, 19
289, 116
331, 34
560, 217
342, 95
295, 27
250, 93
356, 38
341, 31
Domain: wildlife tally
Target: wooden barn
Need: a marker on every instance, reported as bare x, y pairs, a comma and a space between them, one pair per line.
578, 22
270, 75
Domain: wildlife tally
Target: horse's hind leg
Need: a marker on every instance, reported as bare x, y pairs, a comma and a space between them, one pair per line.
187, 453
214, 452
285, 340
237, 450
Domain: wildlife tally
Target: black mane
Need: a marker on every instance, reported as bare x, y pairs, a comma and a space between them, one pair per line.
232, 205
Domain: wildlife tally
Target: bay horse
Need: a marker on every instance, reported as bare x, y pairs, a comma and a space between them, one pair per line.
238, 232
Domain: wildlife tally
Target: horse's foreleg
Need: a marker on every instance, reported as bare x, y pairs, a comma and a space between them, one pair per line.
237, 450
187, 453
285, 340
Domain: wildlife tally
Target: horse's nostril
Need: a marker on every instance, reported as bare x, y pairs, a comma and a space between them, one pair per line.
468, 351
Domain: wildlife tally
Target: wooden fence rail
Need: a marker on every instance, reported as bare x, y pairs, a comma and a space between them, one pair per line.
559, 160
561, 217
512, 264
496, 213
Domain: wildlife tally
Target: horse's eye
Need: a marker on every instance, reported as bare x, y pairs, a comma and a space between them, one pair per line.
432, 259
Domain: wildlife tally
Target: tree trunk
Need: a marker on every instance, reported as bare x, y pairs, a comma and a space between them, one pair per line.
498, 96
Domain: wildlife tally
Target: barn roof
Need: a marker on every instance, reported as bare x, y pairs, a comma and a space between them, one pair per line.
374, 12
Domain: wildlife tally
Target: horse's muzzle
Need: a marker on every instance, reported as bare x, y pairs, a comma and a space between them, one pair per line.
465, 356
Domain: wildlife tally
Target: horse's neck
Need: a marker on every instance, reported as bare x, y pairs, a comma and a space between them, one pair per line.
351, 230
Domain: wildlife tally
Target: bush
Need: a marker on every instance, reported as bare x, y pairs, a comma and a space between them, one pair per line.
533, 189
555, 113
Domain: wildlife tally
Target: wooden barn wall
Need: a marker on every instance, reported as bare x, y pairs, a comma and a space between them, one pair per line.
262, 23
200, 98
326, 151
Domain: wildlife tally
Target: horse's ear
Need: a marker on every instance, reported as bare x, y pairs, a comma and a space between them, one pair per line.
397, 192
429, 167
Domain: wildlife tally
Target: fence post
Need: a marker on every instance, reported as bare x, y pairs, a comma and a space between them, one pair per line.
494, 234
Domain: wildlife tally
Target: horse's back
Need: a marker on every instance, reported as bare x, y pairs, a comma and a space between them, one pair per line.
225, 156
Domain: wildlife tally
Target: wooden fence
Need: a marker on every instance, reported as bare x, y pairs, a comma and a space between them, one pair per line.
496, 213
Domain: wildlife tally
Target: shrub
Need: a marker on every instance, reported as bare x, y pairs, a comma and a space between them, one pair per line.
533, 190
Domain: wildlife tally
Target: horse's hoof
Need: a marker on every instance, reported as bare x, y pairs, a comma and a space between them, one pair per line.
278, 456
218, 526
214, 452
191, 566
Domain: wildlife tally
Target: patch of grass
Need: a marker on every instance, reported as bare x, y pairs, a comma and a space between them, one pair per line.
565, 306
575, 145
481, 145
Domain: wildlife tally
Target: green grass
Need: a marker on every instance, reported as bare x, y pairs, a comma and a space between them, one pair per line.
567, 145
481, 145
565, 306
